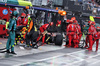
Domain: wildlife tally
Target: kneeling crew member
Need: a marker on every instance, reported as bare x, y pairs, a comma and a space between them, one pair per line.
42, 29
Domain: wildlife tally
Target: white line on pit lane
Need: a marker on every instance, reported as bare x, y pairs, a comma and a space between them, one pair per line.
87, 58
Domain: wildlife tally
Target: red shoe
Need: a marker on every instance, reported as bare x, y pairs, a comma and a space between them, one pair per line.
85, 46
43, 44
75, 46
90, 49
96, 50
67, 45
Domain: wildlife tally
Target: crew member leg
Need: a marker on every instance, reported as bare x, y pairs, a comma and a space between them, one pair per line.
97, 43
28, 39
43, 40
12, 41
90, 42
86, 41
80, 35
70, 39
75, 43
8, 44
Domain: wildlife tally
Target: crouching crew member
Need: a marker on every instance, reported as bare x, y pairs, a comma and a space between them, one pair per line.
42, 29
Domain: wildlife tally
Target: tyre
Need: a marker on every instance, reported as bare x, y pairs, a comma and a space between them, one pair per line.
58, 40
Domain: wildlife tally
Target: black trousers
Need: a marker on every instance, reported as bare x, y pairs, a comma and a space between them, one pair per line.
29, 37
32, 36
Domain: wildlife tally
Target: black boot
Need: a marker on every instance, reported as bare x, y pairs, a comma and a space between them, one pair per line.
12, 52
8, 51
33, 45
36, 47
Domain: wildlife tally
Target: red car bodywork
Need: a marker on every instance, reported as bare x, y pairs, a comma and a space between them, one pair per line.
4, 15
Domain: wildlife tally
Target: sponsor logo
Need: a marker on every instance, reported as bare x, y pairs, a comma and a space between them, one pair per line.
5, 11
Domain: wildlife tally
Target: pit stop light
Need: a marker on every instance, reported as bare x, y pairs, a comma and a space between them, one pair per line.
62, 13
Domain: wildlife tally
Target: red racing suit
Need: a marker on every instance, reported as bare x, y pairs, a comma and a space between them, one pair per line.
79, 31
58, 23
25, 21
19, 21
76, 40
86, 41
96, 37
71, 30
42, 29
77, 36
22, 21
91, 31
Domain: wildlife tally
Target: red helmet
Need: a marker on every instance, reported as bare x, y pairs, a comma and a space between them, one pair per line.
67, 21
23, 15
93, 23
98, 27
71, 21
73, 18
89, 21
75, 21
51, 23
28, 15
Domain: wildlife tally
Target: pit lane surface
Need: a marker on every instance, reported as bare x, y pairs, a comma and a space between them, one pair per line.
50, 56
20, 60
62, 57
77, 57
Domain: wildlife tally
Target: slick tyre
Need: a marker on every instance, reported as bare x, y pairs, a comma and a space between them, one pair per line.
58, 40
